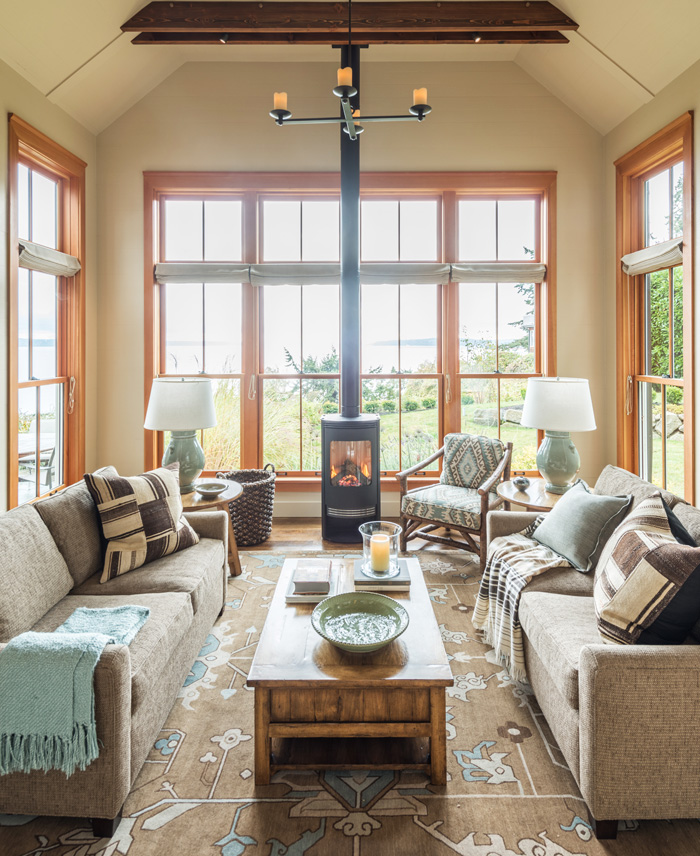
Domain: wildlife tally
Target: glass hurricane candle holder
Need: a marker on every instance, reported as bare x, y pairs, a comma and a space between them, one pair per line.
380, 546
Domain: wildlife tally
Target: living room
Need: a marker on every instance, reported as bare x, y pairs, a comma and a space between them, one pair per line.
539, 124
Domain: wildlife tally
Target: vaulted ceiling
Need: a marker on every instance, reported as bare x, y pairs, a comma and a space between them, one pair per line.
623, 53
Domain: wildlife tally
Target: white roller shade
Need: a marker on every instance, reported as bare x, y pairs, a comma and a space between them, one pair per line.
201, 272
654, 258
295, 274
494, 272
408, 273
37, 257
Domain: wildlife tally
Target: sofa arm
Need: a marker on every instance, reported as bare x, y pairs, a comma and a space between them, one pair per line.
210, 524
638, 712
500, 523
100, 790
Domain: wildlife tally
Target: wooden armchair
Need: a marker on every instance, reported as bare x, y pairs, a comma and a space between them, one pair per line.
460, 501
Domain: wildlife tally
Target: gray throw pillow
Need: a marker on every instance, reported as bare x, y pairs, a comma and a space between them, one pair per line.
580, 523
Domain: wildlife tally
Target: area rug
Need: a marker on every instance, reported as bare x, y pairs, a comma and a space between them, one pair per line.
509, 791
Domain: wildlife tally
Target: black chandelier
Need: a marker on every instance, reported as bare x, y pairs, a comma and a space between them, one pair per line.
350, 119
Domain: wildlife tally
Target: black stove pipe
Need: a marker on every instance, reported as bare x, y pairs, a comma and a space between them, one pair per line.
350, 252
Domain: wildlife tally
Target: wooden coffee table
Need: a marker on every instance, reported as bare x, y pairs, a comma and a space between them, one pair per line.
317, 707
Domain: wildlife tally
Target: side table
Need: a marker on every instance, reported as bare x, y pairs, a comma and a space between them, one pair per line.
534, 497
195, 502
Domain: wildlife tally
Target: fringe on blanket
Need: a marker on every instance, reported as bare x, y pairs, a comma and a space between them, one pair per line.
27, 752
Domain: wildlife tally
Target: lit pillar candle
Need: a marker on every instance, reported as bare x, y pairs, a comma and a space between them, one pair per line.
379, 552
420, 96
345, 76
280, 100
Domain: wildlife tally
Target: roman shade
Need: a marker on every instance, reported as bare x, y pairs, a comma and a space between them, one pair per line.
201, 272
40, 258
495, 272
404, 273
295, 274
656, 257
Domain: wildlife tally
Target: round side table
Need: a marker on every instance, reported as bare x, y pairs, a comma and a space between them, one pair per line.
196, 502
534, 497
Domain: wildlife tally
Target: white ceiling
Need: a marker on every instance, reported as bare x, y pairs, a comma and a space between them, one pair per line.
624, 53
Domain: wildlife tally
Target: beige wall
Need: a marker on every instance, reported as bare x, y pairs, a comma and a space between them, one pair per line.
19, 97
213, 116
677, 98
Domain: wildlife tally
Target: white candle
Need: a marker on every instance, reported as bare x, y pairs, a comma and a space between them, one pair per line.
420, 96
379, 552
280, 100
345, 76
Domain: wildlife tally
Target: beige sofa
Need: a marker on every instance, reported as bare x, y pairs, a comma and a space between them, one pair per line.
50, 564
625, 717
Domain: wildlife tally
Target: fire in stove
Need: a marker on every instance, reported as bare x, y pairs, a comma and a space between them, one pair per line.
351, 463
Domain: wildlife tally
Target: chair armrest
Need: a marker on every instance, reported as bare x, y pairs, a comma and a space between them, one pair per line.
210, 524
638, 713
500, 523
402, 477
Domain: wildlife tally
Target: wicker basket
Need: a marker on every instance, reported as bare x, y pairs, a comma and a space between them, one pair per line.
251, 513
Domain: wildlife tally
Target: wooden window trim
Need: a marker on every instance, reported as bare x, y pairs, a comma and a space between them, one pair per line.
29, 146
253, 187
671, 144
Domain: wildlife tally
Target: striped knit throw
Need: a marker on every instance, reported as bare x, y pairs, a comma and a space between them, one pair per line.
512, 561
47, 700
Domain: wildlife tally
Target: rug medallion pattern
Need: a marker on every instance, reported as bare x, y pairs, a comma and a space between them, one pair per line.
509, 790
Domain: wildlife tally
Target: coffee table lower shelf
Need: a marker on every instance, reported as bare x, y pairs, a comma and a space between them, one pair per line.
350, 753
341, 745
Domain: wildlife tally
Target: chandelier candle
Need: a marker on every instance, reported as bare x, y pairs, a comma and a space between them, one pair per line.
279, 100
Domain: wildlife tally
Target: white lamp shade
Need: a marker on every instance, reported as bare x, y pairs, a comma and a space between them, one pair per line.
558, 404
180, 404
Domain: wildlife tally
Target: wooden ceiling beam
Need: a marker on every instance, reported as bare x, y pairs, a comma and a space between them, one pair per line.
429, 38
396, 18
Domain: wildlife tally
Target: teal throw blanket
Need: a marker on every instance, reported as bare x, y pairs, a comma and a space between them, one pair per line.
47, 699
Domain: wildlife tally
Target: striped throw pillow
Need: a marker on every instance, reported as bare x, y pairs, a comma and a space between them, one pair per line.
641, 570
141, 518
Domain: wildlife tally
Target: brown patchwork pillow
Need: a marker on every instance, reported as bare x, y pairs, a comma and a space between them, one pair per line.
141, 518
643, 571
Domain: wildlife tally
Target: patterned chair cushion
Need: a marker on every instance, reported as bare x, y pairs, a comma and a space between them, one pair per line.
459, 506
470, 459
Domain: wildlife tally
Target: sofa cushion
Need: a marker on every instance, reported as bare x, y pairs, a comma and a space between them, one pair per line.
186, 571
579, 525
470, 459
614, 481
71, 517
33, 574
563, 581
558, 626
647, 580
169, 620
458, 506
141, 518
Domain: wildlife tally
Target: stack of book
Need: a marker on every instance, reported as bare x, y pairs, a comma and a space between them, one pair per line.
401, 582
312, 581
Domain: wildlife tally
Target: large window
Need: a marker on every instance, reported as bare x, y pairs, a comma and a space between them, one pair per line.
500, 341
46, 323
655, 310
258, 311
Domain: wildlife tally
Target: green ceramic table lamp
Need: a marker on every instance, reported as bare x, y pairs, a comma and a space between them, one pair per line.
558, 405
182, 405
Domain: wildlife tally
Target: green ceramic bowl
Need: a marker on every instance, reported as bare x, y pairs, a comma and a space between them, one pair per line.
359, 621
211, 488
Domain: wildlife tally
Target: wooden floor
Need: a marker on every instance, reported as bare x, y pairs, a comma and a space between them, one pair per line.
304, 533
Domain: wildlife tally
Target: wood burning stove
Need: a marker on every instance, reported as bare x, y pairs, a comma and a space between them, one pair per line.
350, 439
350, 489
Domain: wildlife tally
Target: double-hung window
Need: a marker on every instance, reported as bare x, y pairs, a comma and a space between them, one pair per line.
655, 316
46, 317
